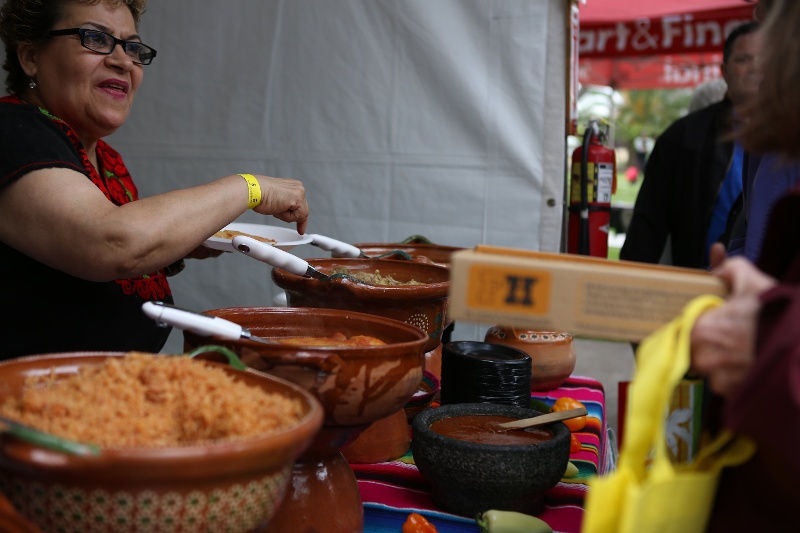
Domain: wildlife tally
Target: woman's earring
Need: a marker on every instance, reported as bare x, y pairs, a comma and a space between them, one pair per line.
32, 84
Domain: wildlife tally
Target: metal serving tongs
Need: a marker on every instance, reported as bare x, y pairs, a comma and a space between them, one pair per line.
342, 249
167, 314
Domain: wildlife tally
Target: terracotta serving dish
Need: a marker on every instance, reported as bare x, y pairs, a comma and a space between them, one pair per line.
423, 306
356, 386
552, 353
227, 486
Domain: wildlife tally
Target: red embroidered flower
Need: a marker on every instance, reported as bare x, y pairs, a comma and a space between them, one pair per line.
118, 187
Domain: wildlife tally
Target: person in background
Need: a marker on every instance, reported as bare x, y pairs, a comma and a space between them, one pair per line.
642, 146
707, 93
79, 251
766, 176
749, 347
693, 176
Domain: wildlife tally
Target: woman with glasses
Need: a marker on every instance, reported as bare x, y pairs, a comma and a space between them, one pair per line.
79, 251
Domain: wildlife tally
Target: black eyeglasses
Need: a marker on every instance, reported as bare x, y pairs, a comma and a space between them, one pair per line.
103, 43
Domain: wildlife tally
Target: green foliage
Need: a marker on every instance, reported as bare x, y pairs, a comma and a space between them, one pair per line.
650, 112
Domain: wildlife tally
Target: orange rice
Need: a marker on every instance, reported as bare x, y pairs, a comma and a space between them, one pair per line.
145, 401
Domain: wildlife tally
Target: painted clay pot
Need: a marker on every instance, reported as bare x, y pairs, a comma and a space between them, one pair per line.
225, 486
356, 386
423, 305
552, 353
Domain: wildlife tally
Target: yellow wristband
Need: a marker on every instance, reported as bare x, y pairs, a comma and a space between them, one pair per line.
253, 190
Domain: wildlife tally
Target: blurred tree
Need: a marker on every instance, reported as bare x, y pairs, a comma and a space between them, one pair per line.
632, 112
650, 111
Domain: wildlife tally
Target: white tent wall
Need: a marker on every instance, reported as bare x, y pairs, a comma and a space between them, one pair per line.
444, 118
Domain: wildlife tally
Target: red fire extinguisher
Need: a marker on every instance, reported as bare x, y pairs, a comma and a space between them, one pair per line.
593, 181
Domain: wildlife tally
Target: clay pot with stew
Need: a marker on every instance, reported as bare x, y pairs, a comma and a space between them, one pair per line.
474, 466
552, 353
356, 386
423, 305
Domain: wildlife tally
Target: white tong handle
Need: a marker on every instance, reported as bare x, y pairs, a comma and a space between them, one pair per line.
189, 321
269, 254
337, 248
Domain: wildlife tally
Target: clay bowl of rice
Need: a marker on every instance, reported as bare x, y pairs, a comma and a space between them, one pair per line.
177, 452
408, 291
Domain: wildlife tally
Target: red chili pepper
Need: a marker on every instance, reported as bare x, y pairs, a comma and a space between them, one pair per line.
574, 444
416, 523
564, 404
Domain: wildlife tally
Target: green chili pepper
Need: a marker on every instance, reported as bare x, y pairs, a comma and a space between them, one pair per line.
494, 521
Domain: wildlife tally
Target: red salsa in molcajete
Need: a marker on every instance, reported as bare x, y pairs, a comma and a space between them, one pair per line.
485, 429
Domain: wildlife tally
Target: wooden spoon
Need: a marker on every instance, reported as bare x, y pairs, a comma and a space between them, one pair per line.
544, 419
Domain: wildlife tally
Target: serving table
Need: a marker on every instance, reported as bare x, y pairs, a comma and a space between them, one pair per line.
392, 490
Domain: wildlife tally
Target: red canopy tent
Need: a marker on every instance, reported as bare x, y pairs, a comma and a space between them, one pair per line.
649, 44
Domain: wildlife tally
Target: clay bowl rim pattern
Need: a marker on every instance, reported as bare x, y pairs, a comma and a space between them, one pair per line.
178, 463
489, 480
404, 342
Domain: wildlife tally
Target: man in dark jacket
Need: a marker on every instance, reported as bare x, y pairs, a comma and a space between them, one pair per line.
693, 176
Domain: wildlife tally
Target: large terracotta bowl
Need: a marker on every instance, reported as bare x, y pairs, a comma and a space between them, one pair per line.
436, 253
423, 306
356, 386
227, 486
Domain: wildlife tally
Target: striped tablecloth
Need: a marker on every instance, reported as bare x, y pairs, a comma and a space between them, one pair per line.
392, 490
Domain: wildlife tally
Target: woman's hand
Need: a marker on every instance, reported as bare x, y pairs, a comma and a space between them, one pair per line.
285, 199
723, 339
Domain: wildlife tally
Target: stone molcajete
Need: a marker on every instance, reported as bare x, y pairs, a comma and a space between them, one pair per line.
468, 478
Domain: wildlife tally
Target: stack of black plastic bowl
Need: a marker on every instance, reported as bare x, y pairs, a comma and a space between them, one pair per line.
478, 372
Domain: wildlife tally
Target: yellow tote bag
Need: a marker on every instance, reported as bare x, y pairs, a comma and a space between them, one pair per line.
647, 493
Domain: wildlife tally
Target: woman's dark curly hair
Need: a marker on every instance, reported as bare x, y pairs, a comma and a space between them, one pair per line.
28, 21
